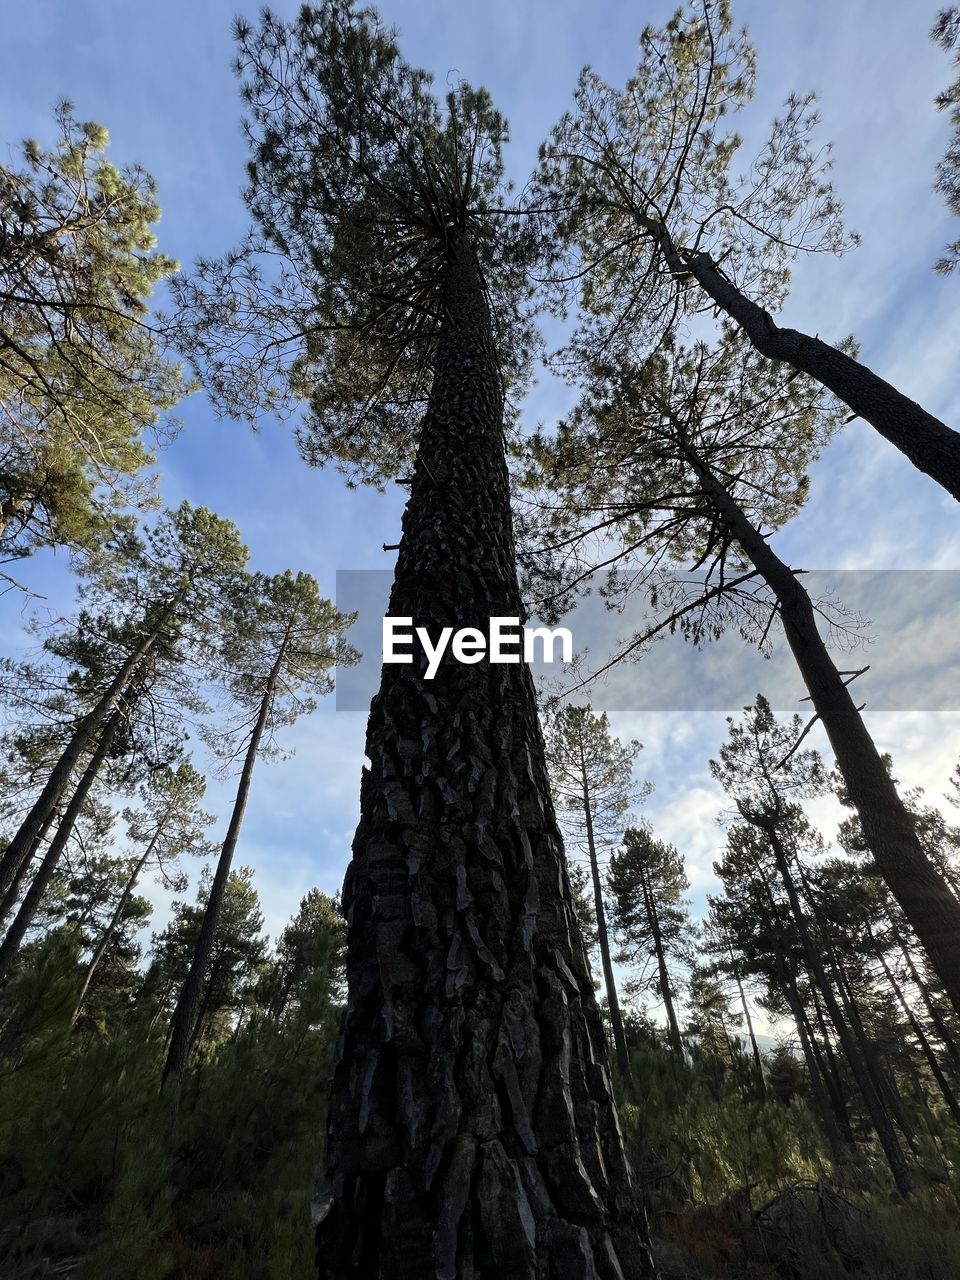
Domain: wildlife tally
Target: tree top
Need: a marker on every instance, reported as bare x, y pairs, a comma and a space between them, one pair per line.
362, 185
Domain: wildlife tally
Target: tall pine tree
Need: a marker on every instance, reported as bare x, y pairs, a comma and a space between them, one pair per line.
471, 1125
591, 775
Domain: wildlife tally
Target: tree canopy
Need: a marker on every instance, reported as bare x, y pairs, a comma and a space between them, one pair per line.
84, 377
359, 176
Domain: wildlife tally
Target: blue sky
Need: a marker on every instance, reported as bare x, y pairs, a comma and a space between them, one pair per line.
159, 78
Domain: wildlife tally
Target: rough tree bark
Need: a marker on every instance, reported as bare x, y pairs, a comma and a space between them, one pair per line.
471, 1129
603, 940
931, 909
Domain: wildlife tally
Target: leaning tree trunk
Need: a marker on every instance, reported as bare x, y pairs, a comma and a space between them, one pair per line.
930, 444
946, 1036
666, 988
100, 949
833, 1115
856, 1053
19, 873
204, 1007
877, 1067
832, 1073
888, 829
471, 1127
186, 1017
603, 940
27, 838
757, 1057
926, 1048
51, 859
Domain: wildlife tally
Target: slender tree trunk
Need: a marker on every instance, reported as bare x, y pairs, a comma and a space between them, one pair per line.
819, 1051
279, 1006
161, 1006
946, 1036
829, 1103
215, 971
879, 1072
20, 872
471, 1128
833, 1114
603, 941
666, 989
101, 947
732, 1054
859, 1063
930, 444
926, 1048
183, 1024
876, 1066
932, 910
51, 859
757, 1059
824, 1077
831, 1072
32, 829
239, 1027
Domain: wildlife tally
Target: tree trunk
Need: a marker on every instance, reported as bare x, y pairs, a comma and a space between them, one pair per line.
932, 910
876, 1066
20, 872
859, 1063
757, 1059
834, 1120
51, 859
930, 444
666, 990
947, 1037
831, 1070
471, 1129
827, 1093
822, 1097
183, 1024
204, 1007
613, 1003
839, 1133
948, 1095
881, 1076
34, 825
101, 947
